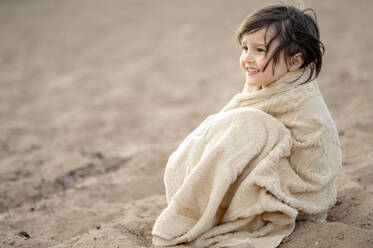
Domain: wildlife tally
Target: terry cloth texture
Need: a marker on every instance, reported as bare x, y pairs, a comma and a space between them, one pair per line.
243, 176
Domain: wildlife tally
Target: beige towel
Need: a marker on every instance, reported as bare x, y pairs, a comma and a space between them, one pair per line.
244, 175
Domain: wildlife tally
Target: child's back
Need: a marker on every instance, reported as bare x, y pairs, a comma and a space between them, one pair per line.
315, 153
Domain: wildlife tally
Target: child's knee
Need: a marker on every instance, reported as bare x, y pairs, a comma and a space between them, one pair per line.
248, 125
251, 119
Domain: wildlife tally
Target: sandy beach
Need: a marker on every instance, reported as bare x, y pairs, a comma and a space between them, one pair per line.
95, 95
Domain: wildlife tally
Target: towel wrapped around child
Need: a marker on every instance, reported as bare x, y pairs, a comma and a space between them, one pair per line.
246, 173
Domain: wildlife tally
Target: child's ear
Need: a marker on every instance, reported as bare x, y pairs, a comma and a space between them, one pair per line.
295, 62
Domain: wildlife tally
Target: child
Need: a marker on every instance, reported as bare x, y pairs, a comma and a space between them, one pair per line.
269, 157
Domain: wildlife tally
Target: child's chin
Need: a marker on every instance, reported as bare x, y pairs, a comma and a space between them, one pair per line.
251, 83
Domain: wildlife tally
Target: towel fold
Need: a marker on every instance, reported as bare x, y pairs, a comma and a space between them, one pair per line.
241, 178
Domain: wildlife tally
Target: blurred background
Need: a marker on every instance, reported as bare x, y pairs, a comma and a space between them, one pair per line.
95, 95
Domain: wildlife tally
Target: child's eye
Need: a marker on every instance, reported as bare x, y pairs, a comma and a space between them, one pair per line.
261, 50
244, 48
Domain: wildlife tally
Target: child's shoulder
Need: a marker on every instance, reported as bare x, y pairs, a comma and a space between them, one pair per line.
313, 104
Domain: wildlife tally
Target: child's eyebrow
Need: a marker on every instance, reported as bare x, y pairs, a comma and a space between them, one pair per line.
258, 44
244, 42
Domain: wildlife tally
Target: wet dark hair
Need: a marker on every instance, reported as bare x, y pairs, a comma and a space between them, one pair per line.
296, 30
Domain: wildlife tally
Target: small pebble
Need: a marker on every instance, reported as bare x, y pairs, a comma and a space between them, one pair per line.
24, 234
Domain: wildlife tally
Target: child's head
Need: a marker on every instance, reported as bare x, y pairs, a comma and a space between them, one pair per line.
282, 37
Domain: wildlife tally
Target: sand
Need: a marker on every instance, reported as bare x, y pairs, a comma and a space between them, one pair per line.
95, 95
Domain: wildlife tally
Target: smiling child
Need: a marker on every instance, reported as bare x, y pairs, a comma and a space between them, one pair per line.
269, 157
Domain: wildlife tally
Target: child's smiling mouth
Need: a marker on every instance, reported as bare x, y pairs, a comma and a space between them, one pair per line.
252, 71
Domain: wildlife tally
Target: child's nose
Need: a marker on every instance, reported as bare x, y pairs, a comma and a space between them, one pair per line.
248, 56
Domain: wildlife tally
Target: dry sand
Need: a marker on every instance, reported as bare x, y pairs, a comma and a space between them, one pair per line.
95, 95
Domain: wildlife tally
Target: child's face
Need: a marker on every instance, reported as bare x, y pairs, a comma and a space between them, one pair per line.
253, 59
